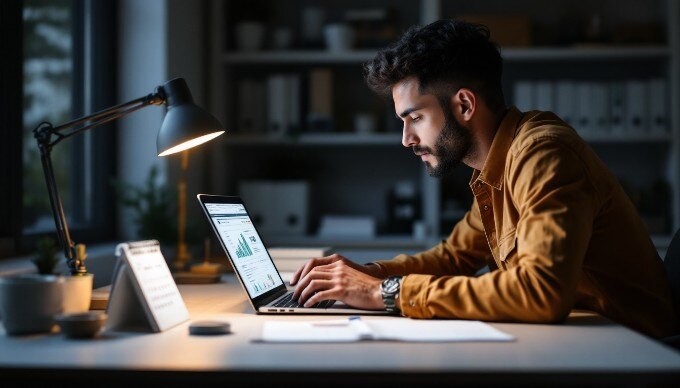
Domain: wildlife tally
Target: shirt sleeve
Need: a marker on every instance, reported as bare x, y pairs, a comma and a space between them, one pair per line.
464, 252
555, 198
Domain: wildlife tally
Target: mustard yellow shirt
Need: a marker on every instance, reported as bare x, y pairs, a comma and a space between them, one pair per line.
557, 230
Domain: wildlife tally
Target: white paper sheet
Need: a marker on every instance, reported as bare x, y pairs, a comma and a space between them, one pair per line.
398, 329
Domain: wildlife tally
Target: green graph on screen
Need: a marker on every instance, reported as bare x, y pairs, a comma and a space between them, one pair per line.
243, 249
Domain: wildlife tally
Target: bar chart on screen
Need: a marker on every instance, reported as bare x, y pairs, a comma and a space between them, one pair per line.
245, 248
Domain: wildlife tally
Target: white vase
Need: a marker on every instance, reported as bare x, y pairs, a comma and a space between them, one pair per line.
339, 37
77, 291
28, 303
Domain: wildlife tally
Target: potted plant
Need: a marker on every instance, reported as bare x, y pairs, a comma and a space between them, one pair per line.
154, 212
45, 259
77, 289
28, 302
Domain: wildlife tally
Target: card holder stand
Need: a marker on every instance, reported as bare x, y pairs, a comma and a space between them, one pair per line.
144, 296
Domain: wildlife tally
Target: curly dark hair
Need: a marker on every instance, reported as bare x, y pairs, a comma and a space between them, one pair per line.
444, 56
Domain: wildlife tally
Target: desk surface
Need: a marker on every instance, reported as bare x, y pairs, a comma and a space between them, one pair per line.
586, 345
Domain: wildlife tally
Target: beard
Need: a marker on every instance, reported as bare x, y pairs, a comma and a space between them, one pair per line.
453, 144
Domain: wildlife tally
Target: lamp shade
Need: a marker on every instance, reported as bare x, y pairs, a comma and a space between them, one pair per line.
185, 124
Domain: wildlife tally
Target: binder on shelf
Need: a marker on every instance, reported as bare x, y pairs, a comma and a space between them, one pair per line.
523, 96
277, 106
544, 98
565, 104
252, 110
658, 106
293, 89
584, 108
636, 112
600, 107
320, 96
144, 295
616, 107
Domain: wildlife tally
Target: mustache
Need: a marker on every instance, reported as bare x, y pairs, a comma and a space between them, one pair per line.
419, 150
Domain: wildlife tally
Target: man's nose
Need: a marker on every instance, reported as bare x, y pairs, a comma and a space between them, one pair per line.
408, 137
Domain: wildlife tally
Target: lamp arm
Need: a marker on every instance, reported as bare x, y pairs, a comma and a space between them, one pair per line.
44, 133
105, 116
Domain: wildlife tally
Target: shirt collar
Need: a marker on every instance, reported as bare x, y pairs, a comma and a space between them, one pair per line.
494, 166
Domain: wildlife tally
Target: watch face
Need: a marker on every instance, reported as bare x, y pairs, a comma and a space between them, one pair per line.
390, 285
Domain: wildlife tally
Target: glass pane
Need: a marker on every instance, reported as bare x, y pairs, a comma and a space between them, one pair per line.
48, 85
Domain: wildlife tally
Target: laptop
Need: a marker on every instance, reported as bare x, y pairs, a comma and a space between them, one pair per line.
253, 265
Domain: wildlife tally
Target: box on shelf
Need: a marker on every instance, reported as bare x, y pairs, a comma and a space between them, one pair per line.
289, 259
355, 227
278, 208
506, 30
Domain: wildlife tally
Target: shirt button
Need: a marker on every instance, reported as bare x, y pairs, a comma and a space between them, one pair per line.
411, 303
486, 208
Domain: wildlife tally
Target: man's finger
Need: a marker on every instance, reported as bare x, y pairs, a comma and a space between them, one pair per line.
325, 275
296, 275
321, 296
315, 285
303, 270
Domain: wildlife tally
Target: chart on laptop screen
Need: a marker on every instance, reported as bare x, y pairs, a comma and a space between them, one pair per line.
244, 246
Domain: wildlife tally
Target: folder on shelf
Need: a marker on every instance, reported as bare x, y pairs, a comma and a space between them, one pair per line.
616, 107
600, 107
544, 96
277, 107
523, 96
320, 95
658, 106
293, 101
252, 110
565, 101
636, 112
584, 108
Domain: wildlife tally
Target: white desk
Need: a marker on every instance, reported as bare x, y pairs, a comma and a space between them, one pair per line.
585, 349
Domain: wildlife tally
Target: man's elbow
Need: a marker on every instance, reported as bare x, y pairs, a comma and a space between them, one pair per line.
553, 311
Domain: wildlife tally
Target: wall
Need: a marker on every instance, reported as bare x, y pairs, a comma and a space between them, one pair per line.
158, 40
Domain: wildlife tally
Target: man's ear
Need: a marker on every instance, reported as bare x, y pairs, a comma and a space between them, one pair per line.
464, 104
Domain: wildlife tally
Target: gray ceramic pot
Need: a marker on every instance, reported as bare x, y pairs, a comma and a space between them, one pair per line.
28, 303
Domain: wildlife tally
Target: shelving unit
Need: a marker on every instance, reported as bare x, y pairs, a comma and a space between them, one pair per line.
579, 62
601, 53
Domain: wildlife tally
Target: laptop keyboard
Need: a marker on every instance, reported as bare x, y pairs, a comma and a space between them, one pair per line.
287, 301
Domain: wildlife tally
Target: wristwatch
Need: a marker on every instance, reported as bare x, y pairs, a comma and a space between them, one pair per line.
390, 293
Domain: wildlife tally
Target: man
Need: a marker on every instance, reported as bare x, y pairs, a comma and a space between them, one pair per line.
548, 218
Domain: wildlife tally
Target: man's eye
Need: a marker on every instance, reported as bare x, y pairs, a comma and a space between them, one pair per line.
417, 118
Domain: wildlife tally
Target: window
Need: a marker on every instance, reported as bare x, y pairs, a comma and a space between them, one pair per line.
48, 89
64, 63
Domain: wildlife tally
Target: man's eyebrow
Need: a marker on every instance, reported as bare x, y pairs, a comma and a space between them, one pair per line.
409, 111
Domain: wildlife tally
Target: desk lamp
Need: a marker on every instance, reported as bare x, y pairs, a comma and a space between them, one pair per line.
185, 126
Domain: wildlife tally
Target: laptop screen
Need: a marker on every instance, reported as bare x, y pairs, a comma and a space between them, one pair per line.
247, 252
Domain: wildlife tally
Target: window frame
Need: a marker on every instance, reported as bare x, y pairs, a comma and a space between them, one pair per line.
94, 88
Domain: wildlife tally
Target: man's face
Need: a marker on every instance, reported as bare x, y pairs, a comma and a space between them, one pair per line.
432, 131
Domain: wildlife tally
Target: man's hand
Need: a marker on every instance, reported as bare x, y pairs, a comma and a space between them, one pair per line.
335, 277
